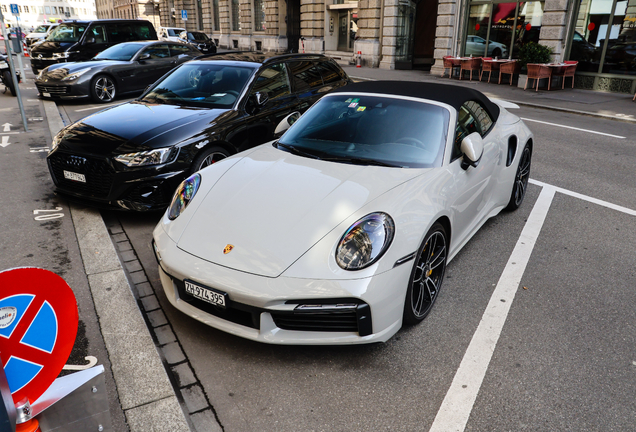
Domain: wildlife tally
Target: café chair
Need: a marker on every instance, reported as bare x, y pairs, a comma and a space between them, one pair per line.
449, 64
471, 64
487, 66
537, 72
567, 71
511, 68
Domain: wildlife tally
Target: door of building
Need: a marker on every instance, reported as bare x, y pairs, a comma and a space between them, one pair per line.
293, 25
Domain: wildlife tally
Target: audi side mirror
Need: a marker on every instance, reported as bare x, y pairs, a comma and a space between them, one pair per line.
472, 148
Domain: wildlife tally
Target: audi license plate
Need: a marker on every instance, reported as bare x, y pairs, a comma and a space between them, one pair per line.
74, 176
214, 297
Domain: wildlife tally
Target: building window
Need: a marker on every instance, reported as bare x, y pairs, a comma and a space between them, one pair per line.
259, 15
236, 25
608, 25
47, 10
215, 13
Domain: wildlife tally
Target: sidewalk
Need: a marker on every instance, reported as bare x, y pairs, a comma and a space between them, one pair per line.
615, 106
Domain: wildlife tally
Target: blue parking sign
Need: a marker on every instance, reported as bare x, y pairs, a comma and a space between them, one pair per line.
184, 15
14, 9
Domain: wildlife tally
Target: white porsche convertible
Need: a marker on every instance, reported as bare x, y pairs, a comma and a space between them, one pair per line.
340, 231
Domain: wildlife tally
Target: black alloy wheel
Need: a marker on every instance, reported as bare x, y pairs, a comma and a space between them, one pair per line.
208, 157
521, 179
103, 89
427, 275
6, 77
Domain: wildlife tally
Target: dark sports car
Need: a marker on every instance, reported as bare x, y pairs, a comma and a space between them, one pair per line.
134, 155
124, 68
199, 40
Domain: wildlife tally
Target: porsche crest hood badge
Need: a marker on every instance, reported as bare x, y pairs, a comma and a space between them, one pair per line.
228, 249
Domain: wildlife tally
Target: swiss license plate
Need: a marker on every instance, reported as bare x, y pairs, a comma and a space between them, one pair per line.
206, 294
46, 94
74, 176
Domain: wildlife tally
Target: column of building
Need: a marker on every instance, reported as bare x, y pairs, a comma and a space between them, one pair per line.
389, 34
370, 32
553, 27
274, 39
312, 22
446, 32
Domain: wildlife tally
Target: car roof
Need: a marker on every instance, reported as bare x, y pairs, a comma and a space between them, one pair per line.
258, 57
452, 95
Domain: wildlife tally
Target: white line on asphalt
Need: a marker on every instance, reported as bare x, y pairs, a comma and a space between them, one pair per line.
9, 133
458, 403
575, 128
94, 108
587, 198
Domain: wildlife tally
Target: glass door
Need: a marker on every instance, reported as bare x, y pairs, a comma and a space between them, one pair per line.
405, 34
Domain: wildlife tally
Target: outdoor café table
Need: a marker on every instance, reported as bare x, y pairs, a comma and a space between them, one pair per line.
456, 61
490, 65
554, 68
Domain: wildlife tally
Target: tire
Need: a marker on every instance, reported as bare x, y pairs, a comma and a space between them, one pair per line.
6, 77
520, 184
207, 157
427, 275
103, 89
496, 52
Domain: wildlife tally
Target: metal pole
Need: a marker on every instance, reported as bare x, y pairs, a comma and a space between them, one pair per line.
12, 70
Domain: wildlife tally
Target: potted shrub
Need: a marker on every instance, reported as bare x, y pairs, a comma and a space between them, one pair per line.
532, 52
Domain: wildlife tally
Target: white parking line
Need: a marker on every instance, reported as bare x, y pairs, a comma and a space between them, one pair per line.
96, 107
575, 128
458, 403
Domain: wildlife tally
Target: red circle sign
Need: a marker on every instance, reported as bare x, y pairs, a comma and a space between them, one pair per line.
38, 325
477, 27
528, 27
591, 26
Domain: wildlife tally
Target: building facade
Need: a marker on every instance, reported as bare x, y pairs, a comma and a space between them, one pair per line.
35, 12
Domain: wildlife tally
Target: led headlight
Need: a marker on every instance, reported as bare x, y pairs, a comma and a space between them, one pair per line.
65, 54
184, 194
75, 75
365, 241
145, 158
56, 141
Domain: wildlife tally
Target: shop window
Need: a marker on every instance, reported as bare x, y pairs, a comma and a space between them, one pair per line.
620, 56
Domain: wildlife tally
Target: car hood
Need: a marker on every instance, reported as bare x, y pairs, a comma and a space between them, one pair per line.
273, 206
61, 70
135, 126
46, 47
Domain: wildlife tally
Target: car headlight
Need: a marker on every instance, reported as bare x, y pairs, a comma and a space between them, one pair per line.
145, 158
56, 141
365, 241
75, 75
42, 72
184, 194
65, 54
3, 64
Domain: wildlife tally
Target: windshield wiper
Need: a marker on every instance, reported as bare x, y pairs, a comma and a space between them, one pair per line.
296, 151
362, 161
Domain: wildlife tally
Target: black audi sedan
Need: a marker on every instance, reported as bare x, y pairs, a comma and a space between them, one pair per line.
123, 68
134, 155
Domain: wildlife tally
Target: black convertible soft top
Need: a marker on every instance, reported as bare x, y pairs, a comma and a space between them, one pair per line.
452, 95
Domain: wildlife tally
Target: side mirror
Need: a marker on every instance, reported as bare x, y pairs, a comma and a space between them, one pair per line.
286, 123
261, 98
472, 147
144, 56
90, 40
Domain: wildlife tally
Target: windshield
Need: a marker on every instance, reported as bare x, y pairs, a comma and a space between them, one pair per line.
66, 33
201, 85
378, 130
41, 29
123, 52
197, 36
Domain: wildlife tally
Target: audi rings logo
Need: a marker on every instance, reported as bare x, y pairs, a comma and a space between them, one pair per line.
76, 161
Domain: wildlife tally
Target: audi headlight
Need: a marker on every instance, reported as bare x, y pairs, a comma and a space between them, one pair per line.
65, 54
56, 141
184, 194
75, 75
145, 158
365, 241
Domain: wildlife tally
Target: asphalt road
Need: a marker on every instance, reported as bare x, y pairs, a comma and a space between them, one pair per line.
565, 358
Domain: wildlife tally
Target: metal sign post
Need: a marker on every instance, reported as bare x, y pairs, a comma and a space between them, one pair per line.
12, 69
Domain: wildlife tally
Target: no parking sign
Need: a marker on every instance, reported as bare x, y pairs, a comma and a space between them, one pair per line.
38, 325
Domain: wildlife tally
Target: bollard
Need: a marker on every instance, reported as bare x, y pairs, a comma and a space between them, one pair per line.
359, 59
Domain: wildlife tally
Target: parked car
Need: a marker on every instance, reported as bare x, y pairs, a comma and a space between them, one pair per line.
339, 232
123, 68
39, 34
73, 41
199, 40
170, 33
476, 45
134, 155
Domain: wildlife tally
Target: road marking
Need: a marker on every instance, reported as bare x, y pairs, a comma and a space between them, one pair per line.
575, 128
6, 127
92, 361
9, 133
587, 198
458, 403
94, 108
5, 141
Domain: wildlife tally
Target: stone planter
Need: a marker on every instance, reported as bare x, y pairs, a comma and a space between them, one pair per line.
522, 80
